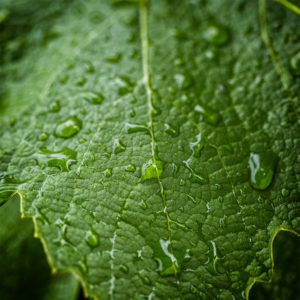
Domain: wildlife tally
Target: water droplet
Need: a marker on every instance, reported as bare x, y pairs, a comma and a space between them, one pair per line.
94, 98
151, 170
285, 192
69, 127
143, 204
55, 106
262, 168
92, 238
133, 128
216, 34
108, 172
132, 37
88, 67
114, 58
193, 289
130, 168
80, 81
118, 146
194, 177
82, 141
61, 159
218, 186
171, 130
168, 262
183, 81
182, 182
125, 85
146, 280
197, 146
207, 115
124, 269
82, 264
43, 136
132, 113
295, 63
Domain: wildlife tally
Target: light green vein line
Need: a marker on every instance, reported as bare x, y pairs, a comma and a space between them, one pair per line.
146, 80
290, 6
266, 39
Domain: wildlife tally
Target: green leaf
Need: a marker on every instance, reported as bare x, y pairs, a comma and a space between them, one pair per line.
24, 271
154, 144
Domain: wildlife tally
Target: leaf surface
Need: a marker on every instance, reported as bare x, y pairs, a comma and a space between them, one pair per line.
162, 156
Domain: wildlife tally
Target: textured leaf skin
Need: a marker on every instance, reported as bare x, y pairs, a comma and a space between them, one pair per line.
24, 271
285, 279
140, 212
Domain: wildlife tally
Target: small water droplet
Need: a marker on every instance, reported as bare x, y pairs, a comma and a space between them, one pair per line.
80, 81
92, 238
68, 128
64, 78
143, 204
295, 63
118, 146
183, 81
182, 182
125, 85
285, 192
262, 168
197, 146
193, 289
207, 115
114, 58
82, 264
108, 172
132, 113
132, 37
216, 34
218, 186
82, 141
94, 98
151, 170
169, 264
130, 168
146, 280
55, 106
133, 128
194, 176
88, 67
124, 269
61, 159
171, 130
43, 136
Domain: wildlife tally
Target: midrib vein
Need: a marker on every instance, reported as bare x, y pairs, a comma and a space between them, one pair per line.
146, 80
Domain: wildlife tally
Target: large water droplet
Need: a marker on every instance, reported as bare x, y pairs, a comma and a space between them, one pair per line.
118, 146
69, 127
151, 170
171, 130
197, 146
94, 98
216, 34
262, 168
207, 115
62, 159
92, 238
295, 63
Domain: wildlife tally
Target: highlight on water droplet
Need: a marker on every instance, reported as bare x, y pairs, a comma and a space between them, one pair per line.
207, 115
68, 128
171, 130
151, 170
61, 159
262, 168
118, 146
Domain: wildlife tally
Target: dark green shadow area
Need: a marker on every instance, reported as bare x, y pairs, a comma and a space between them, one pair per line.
24, 271
285, 283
